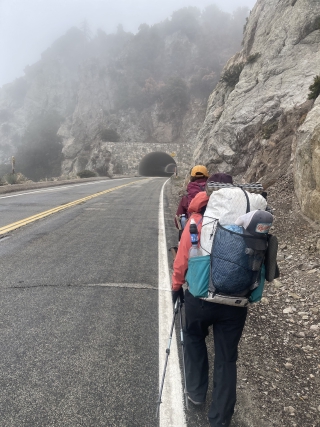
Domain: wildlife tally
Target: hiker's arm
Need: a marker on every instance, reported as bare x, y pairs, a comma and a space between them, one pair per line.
182, 208
198, 202
180, 265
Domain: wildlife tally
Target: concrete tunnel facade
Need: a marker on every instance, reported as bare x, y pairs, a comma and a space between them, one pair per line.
157, 164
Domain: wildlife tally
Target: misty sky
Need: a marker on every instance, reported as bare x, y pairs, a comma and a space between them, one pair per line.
28, 27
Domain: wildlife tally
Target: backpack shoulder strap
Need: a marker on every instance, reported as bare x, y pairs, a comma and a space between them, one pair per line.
248, 202
200, 221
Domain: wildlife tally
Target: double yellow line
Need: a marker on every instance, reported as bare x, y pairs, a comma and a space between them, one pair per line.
7, 228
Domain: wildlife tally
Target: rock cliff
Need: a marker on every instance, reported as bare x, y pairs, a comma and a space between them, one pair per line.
259, 122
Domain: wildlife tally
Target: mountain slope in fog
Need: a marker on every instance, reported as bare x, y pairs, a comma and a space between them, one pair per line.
148, 87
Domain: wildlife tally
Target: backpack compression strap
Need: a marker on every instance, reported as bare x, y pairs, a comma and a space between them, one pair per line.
248, 203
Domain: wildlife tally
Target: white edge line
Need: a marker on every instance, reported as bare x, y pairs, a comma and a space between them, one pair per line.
172, 413
58, 188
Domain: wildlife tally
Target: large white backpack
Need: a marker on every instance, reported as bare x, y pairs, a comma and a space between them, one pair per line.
226, 205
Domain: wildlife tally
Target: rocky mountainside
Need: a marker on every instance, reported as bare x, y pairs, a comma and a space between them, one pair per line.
259, 122
149, 87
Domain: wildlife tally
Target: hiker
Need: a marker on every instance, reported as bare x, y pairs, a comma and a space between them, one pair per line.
198, 178
196, 208
227, 320
201, 199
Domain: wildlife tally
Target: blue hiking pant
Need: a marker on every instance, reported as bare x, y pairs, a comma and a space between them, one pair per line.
228, 323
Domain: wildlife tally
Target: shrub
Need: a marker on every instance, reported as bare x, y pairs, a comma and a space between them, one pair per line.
109, 135
232, 74
268, 129
86, 174
314, 88
252, 58
11, 178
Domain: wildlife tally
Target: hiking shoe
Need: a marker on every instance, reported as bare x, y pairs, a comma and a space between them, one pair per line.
195, 402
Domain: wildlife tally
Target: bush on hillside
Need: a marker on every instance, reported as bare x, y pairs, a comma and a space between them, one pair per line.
314, 88
268, 129
11, 178
253, 57
232, 74
14, 178
86, 174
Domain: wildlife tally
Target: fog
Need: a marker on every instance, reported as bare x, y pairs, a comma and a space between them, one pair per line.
28, 27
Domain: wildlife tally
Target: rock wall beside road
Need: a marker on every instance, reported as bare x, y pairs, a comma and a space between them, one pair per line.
259, 122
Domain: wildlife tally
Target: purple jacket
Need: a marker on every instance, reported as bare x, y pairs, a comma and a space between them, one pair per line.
195, 187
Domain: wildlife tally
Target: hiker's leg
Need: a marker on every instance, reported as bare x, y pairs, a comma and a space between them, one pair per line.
227, 332
196, 357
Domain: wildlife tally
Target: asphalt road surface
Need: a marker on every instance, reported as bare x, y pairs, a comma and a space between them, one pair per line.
79, 331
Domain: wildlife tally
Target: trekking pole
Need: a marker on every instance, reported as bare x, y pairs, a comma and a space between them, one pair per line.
175, 311
178, 222
173, 251
183, 362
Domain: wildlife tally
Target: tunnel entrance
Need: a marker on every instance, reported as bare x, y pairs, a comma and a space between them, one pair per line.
157, 164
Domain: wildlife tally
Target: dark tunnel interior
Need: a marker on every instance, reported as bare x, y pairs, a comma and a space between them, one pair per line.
157, 164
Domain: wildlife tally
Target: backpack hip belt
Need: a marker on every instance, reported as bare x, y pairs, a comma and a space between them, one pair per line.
227, 300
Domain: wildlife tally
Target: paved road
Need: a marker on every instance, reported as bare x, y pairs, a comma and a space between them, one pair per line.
19, 205
79, 308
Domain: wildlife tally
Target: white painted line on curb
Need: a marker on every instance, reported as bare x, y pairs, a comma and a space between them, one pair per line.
172, 412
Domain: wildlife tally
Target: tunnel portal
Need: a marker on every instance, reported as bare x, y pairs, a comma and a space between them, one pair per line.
157, 164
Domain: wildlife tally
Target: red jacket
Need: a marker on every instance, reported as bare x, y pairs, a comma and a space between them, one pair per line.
180, 264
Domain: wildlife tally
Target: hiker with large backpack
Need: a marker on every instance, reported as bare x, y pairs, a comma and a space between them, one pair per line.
221, 282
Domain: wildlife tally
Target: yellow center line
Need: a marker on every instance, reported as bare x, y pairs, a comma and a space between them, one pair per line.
30, 219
